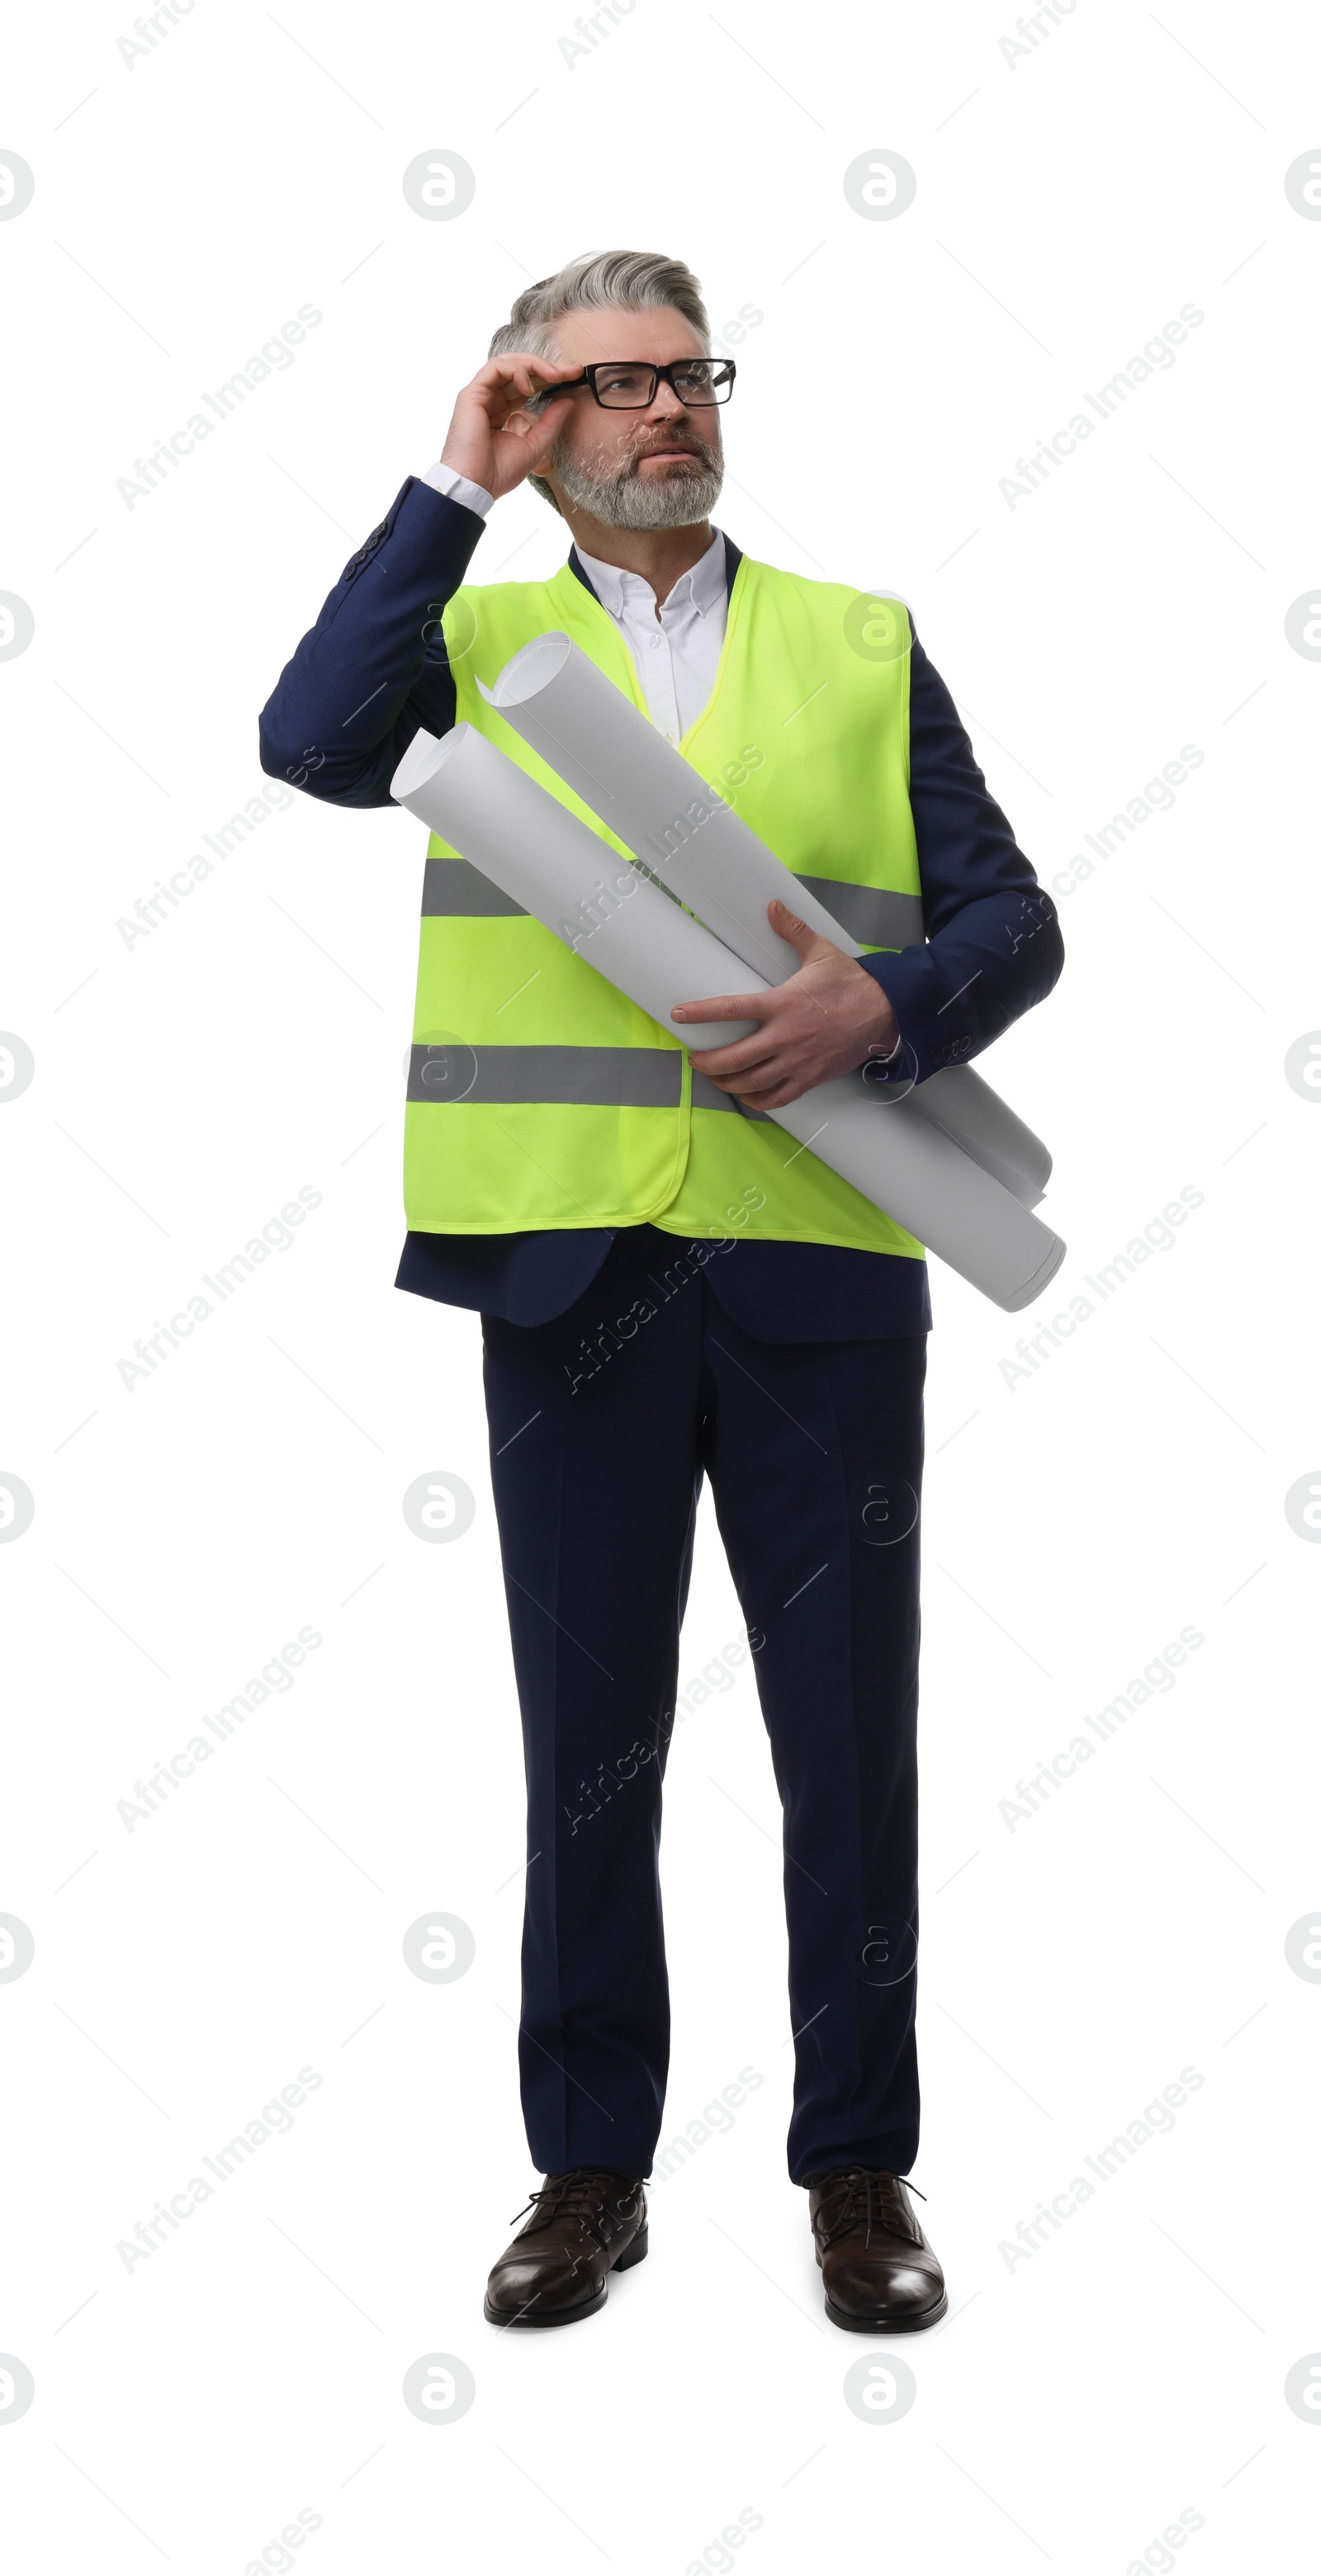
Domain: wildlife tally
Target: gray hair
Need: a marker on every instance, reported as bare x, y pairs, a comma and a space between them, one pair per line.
643, 280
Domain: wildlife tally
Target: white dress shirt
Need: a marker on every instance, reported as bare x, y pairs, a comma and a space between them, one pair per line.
675, 648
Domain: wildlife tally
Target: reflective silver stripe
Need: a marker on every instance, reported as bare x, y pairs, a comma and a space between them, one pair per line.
553, 1076
455, 890
707, 1095
871, 916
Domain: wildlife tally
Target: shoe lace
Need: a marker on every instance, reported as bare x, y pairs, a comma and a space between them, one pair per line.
870, 2198
580, 2194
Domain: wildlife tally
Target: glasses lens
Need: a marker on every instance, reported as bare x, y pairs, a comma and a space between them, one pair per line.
707, 380
629, 388
625, 388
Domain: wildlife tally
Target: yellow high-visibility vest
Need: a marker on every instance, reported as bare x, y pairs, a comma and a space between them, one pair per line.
538, 1096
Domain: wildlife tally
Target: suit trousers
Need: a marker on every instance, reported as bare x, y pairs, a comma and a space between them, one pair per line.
603, 1423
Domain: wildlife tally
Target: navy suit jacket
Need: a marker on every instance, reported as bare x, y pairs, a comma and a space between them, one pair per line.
373, 670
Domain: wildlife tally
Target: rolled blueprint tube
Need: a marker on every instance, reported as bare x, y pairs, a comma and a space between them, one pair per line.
584, 728
518, 834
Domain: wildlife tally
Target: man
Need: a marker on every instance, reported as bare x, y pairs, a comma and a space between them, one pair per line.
666, 1289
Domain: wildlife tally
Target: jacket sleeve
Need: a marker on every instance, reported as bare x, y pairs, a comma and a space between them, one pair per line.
993, 946
373, 670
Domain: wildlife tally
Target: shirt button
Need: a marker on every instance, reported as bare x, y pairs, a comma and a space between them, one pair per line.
655, 643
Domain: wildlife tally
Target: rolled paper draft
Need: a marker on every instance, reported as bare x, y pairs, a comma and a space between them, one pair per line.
960, 1100
519, 835
691, 842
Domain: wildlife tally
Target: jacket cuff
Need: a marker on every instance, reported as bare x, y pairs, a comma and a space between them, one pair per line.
427, 508
932, 1036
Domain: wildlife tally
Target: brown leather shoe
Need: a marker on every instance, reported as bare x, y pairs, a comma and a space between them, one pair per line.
584, 2225
880, 2274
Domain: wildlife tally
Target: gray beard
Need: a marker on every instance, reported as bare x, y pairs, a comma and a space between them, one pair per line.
626, 498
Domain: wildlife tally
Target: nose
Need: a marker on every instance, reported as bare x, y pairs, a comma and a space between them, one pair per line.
666, 405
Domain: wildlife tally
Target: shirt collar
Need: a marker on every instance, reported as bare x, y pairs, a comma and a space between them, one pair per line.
702, 586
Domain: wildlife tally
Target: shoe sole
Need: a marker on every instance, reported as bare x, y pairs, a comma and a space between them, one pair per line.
637, 2253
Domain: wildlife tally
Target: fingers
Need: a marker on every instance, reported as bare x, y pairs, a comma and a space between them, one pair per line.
763, 1077
767, 1102
759, 1091
729, 1006
528, 363
764, 1092
519, 376
725, 1066
504, 387
734, 1055
536, 431
810, 944
753, 1078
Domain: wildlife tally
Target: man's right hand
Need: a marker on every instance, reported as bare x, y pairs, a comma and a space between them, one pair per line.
492, 439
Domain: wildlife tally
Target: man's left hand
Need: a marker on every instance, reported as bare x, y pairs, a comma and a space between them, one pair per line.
826, 1020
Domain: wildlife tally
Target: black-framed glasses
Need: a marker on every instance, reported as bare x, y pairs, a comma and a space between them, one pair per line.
625, 384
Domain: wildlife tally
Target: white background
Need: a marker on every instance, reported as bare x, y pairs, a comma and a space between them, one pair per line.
1075, 2402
